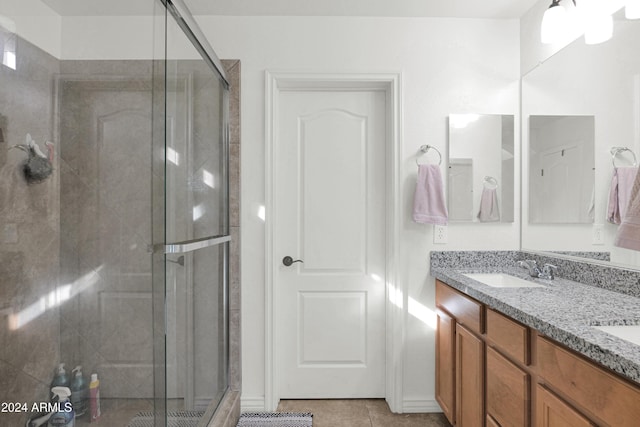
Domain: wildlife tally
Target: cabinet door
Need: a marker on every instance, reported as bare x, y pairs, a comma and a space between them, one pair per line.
507, 391
469, 353
445, 364
553, 412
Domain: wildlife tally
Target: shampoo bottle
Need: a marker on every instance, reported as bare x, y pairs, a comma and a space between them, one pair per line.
64, 415
94, 397
79, 392
60, 379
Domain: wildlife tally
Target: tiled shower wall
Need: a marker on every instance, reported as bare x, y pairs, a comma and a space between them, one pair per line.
105, 238
105, 110
228, 412
29, 234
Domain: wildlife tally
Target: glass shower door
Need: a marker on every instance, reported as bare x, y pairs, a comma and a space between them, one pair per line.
197, 224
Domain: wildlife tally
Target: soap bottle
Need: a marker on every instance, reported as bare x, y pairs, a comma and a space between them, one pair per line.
94, 397
64, 415
79, 392
60, 378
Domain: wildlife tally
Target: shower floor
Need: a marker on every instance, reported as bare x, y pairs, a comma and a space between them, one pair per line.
119, 412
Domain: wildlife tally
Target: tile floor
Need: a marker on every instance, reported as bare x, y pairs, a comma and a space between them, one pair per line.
359, 413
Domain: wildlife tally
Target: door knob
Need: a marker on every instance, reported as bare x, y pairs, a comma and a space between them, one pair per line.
288, 261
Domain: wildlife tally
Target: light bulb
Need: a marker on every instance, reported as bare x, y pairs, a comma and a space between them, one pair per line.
598, 29
632, 9
553, 23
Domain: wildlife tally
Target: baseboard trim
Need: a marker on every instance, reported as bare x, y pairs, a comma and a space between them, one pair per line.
252, 404
409, 406
413, 406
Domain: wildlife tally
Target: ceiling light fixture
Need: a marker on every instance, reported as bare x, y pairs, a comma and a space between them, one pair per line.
597, 21
593, 18
554, 22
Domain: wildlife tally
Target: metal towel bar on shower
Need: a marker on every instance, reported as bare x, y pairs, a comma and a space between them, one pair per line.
424, 149
617, 150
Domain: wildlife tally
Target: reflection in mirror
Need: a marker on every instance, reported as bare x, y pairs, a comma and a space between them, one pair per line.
602, 81
561, 169
481, 168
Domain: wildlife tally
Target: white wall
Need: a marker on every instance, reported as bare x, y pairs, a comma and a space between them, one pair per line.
447, 65
34, 21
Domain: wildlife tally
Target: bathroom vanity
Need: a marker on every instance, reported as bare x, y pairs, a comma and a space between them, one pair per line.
534, 356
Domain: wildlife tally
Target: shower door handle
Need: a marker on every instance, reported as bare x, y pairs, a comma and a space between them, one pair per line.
288, 261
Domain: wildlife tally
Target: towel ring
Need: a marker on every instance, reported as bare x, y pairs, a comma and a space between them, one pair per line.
424, 150
617, 150
490, 180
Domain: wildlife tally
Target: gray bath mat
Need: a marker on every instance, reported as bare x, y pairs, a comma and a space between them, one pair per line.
276, 419
174, 419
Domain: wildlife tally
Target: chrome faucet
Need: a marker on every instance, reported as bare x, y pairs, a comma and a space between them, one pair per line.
547, 272
532, 266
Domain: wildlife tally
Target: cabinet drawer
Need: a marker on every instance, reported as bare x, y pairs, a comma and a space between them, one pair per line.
465, 310
595, 391
507, 391
509, 336
553, 412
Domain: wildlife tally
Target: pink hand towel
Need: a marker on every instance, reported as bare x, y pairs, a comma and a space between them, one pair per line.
628, 235
620, 193
429, 206
489, 211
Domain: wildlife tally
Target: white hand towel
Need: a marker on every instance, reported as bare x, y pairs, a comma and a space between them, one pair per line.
429, 206
489, 211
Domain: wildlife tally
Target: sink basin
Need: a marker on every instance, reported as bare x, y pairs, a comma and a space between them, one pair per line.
501, 280
629, 333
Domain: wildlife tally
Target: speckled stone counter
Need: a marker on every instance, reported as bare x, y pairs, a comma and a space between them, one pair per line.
563, 310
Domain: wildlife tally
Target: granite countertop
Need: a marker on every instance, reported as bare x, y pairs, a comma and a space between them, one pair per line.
563, 310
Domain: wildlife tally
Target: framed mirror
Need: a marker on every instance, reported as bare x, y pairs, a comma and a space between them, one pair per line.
481, 165
596, 82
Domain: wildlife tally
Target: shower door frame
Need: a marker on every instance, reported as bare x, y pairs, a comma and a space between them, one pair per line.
176, 9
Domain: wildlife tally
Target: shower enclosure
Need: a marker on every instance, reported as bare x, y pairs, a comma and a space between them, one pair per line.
118, 261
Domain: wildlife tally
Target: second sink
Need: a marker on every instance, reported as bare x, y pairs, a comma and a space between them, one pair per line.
501, 280
629, 333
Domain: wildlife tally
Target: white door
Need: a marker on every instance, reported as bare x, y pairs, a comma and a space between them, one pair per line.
562, 185
330, 213
460, 190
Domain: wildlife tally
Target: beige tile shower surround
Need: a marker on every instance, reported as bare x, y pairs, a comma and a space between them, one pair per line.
29, 233
31, 251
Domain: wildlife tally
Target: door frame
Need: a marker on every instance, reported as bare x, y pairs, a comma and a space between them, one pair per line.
396, 292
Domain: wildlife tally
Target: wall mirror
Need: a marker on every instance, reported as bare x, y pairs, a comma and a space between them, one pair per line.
600, 83
480, 178
561, 169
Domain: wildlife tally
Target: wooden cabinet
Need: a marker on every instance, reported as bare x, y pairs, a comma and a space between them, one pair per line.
469, 354
459, 357
491, 369
511, 337
508, 391
465, 310
604, 397
445, 361
551, 411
